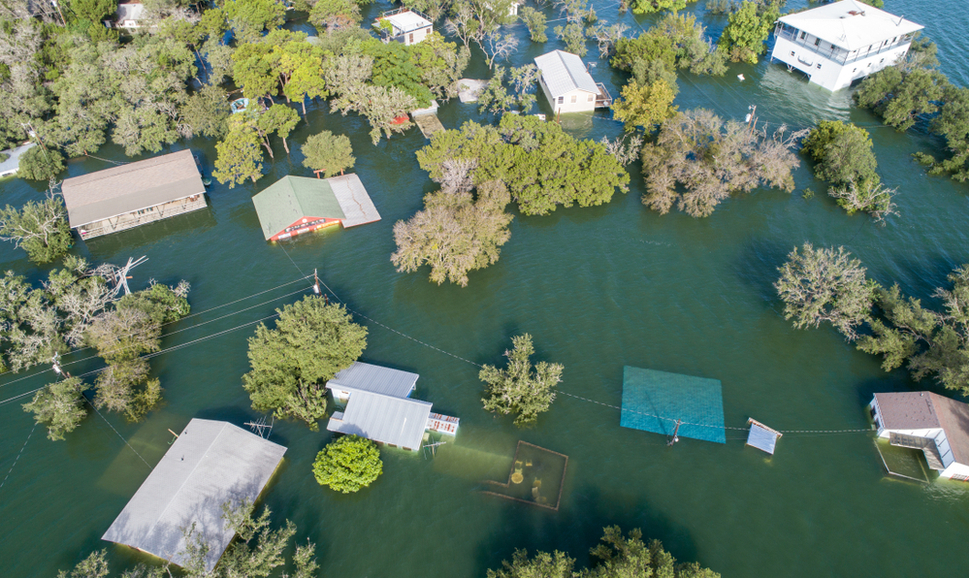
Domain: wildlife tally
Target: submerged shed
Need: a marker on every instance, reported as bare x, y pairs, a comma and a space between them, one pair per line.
211, 463
133, 194
395, 421
762, 437
295, 205
373, 378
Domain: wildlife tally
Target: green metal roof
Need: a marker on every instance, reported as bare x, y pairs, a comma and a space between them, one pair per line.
290, 199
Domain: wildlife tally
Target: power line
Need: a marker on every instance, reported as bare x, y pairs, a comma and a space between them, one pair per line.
18, 456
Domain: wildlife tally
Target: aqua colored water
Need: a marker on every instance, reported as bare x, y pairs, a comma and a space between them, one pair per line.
598, 288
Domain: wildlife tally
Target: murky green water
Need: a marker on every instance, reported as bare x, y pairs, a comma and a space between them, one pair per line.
598, 288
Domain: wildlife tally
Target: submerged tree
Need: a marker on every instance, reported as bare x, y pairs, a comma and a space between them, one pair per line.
519, 388
39, 228
40, 164
328, 153
825, 284
291, 364
238, 156
348, 464
749, 26
709, 159
59, 407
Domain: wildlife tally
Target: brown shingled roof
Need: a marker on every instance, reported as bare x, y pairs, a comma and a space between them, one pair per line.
131, 187
953, 416
923, 409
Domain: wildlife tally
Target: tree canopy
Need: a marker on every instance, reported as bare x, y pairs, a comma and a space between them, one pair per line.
520, 388
749, 26
328, 153
40, 228
348, 464
291, 363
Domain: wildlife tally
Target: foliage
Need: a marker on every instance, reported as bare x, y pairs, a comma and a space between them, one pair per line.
348, 464
677, 41
644, 105
330, 14
496, 97
237, 156
825, 284
455, 233
711, 159
59, 407
929, 343
573, 35
206, 113
249, 18
40, 164
617, 557
440, 63
535, 21
328, 153
392, 67
39, 228
519, 388
952, 125
651, 6
542, 166
479, 21
279, 119
868, 196
290, 364
748, 28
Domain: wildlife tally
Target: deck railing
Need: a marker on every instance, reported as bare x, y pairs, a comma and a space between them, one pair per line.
835, 53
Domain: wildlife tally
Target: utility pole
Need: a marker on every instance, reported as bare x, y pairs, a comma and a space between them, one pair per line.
751, 119
56, 5
675, 439
316, 282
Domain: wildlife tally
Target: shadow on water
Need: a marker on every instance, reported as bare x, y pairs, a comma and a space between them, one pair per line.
757, 265
577, 529
193, 224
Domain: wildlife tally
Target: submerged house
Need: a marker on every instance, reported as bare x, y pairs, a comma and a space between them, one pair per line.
567, 84
211, 463
403, 25
379, 407
130, 15
838, 43
295, 205
133, 194
929, 422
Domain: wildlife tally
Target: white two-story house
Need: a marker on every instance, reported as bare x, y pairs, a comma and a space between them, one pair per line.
929, 422
838, 43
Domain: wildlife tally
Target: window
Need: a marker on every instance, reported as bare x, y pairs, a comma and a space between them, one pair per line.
560, 100
589, 98
411, 38
819, 66
894, 39
802, 37
881, 60
572, 99
817, 41
793, 53
854, 69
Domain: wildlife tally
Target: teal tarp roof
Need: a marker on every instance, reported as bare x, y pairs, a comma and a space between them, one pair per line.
292, 198
654, 400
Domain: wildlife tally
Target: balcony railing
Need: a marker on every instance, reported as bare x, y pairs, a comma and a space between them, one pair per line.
834, 53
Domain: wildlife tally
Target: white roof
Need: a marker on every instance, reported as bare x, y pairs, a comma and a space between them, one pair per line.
354, 201
211, 463
375, 379
132, 11
391, 420
407, 21
850, 24
564, 72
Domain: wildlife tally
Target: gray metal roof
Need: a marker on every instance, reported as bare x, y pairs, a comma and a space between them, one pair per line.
762, 437
211, 463
353, 198
383, 418
563, 72
375, 379
131, 187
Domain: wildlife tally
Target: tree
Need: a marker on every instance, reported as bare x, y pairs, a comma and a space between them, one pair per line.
535, 21
39, 228
517, 388
496, 97
650, 6
749, 26
842, 153
677, 41
952, 125
237, 156
441, 64
249, 18
328, 153
825, 284
928, 342
455, 233
711, 159
869, 197
348, 464
40, 164
280, 119
291, 364
205, 113
59, 407
644, 105
542, 565
573, 35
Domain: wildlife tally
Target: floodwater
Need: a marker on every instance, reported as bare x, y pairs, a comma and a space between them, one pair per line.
598, 288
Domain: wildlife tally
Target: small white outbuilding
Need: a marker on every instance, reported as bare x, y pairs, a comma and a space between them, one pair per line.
838, 43
567, 84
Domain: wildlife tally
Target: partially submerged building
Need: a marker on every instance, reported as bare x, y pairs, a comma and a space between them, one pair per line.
295, 205
133, 194
211, 463
838, 43
130, 15
379, 407
403, 25
567, 84
936, 425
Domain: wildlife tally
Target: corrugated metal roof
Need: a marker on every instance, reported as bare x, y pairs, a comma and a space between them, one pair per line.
762, 437
211, 463
407, 21
563, 72
131, 187
375, 379
354, 200
383, 418
292, 198
836, 24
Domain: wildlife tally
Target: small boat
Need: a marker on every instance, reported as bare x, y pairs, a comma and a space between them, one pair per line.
239, 105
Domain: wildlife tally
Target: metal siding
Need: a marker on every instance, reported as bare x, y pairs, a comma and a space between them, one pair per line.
375, 379
564, 72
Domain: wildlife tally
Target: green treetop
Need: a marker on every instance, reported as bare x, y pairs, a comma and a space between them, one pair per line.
519, 388
328, 153
39, 228
348, 464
